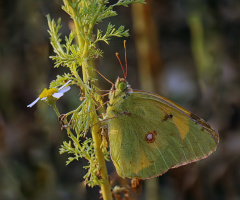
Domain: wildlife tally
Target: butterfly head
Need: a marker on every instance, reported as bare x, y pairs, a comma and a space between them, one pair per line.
121, 85
121, 91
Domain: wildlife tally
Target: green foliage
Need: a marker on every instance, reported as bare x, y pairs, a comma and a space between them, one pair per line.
111, 32
76, 52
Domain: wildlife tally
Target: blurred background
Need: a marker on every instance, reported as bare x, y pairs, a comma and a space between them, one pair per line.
187, 51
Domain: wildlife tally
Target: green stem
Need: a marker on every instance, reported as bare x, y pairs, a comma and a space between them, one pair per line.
56, 110
96, 130
105, 186
74, 16
198, 47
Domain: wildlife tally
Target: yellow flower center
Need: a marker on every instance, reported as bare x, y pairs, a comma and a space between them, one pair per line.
48, 92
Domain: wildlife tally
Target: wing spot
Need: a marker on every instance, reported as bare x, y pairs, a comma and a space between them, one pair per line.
150, 136
166, 117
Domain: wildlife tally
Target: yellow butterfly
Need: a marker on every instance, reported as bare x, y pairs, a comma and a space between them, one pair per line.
149, 134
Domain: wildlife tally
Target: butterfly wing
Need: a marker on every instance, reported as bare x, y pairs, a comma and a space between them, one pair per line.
152, 134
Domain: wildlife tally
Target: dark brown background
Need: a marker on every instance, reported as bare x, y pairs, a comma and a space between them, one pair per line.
30, 165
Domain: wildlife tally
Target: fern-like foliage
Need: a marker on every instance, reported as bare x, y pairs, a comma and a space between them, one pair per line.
76, 52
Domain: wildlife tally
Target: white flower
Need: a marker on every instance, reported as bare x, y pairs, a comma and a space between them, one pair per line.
50, 93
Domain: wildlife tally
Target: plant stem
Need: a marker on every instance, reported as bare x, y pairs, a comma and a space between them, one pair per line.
74, 17
55, 109
105, 186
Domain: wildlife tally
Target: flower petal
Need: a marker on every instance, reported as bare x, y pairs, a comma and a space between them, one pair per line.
63, 90
34, 102
64, 85
57, 95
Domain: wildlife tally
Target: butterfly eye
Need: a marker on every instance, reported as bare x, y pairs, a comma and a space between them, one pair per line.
122, 86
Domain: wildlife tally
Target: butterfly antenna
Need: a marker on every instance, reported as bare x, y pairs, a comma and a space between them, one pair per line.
125, 47
104, 77
117, 55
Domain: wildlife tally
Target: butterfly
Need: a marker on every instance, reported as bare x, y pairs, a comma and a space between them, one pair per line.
149, 134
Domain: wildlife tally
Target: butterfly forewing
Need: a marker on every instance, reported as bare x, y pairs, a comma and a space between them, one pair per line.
151, 134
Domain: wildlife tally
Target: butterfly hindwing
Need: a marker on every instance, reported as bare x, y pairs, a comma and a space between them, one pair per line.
151, 134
